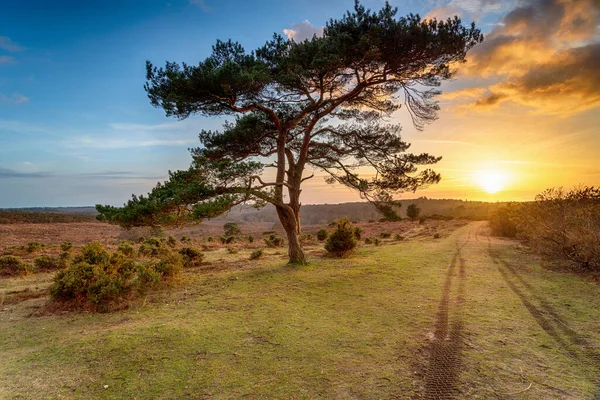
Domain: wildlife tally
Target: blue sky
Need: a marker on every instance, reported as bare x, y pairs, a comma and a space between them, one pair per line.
76, 127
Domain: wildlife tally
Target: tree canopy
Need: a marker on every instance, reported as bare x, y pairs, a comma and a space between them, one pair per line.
323, 104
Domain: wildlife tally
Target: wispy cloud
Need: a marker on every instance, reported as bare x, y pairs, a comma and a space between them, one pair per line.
8, 173
202, 4
9, 45
15, 98
7, 60
125, 143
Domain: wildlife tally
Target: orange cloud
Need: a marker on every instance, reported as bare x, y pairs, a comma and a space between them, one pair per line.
547, 55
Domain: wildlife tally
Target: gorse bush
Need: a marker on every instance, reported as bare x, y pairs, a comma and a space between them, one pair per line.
358, 232
101, 281
192, 257
11, 266
32, 247
126, 248
274, 241
563, 225
503, 222
322, 234
66, 246
47, 263
231, 229
342, 239
153, 247
256, 254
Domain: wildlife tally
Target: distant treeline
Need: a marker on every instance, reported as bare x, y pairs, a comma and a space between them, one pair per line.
318, 214
30, 217
312, 214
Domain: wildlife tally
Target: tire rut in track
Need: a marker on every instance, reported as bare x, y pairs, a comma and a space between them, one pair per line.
445, 350
550, 320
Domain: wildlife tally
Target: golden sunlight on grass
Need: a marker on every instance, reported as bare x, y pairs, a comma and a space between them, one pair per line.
492, 181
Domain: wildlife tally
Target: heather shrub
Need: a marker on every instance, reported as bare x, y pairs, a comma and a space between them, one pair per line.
342, 239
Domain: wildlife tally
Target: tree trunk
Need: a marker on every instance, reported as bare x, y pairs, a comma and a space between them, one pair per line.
289, 222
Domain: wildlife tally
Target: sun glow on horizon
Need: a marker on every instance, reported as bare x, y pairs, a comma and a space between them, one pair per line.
491, 181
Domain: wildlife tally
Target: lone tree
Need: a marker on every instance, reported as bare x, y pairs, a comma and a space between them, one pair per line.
413, 211
321, 104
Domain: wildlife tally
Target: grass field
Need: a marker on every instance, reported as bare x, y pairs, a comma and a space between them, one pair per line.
465, 316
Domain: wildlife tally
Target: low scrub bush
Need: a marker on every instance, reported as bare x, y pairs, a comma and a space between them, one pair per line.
274, 241
12, 266
47, 263
563, 225
436, 236
399, 237
227, 239
385, 235
192, 257
185, 239
153, 247
171, 241
126, 248
256, 254
32, 247
250, 239
342, 239
358, 232
66, 246
232, 250
377, 242
503, 222
368, 241
322, 234
102, 282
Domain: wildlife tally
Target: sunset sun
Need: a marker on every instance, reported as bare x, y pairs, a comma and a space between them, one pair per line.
491, 181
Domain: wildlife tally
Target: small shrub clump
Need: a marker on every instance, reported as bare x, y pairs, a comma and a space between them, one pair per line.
368, 241
399, 237
342, 239
358, 232
256, 254
47, 263
436, 236
322, 234
12, 266
274, 241
171, 241
102, 282
385, 235
185, 239
32, 247
192, 257
153, 247
227, 239
232, 250
66, 246
250, 239
126, 248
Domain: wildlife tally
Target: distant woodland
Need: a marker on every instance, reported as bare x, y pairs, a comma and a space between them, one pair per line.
312, 214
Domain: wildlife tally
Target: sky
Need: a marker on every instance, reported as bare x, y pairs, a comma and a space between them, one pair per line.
76, 127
